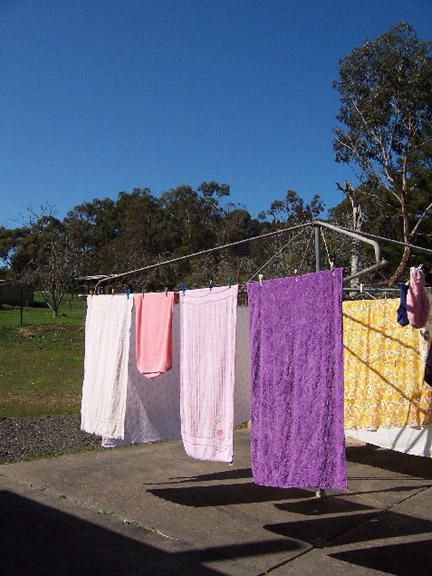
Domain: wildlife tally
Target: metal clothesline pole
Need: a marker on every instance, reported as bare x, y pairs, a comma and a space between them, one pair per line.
391, 241
317, 230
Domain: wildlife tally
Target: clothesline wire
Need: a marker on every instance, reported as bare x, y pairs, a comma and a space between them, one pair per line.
305, 253
313, 223
193, 255
330, 261
274, 255
362, 236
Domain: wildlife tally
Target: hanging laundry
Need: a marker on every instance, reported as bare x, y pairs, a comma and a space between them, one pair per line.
383, 371
417, 300
297, 435
402, 316
107, 342
413, 440
207, 370
152, 407
426, 331
153, 412
428, 368
153, 332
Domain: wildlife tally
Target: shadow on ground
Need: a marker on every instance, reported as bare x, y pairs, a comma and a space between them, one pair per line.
39, 540
409, 559
392, 461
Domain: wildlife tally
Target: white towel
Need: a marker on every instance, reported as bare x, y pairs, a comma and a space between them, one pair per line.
207, 370
107, 343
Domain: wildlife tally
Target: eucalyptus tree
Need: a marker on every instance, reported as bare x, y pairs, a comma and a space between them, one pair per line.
385, 129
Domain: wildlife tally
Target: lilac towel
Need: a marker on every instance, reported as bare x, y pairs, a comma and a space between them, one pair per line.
207, 354
297, 432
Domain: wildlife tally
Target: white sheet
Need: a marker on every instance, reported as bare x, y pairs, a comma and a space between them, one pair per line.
408, 439
153, 406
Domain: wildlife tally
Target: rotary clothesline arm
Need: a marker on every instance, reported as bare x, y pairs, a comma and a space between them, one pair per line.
315, 223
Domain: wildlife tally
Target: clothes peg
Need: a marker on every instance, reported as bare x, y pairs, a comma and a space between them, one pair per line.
91, 292
260, 278
183, 287
295, 274
143, 292
127, 293
112, 292
211, 283
229, 282
166, 291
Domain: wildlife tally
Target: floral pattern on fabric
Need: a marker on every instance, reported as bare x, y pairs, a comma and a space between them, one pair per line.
383, 370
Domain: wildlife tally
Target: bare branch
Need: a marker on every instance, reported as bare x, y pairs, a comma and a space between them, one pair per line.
420, 220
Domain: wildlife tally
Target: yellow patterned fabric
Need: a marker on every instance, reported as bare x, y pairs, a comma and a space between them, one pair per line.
383, 370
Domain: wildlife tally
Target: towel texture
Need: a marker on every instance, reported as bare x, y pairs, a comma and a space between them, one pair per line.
107, 341
153, 412
383, 369
297, 435
207, 366
426, 331
417, 300
402, 316
153, 332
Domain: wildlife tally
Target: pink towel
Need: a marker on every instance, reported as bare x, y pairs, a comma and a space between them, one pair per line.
207, 365
417, 300
153, 313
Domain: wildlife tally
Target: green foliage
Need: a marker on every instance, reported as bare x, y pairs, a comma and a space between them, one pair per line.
385, 117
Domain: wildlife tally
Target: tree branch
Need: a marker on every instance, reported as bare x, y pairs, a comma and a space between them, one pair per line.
420, 220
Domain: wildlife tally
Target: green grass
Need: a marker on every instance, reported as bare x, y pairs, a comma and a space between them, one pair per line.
41, 361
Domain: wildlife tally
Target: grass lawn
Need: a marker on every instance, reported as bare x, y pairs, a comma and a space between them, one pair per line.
41, 362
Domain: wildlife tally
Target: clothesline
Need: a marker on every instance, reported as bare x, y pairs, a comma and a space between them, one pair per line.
298, 356
316, 224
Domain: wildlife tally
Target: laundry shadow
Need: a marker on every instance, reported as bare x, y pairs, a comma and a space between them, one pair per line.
321, 506
226, 494
232, 474
352, 528
319, 531
416, 466
386, 525
38, 540
409, 559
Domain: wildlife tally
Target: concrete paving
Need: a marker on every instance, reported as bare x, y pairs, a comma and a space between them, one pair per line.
151, 510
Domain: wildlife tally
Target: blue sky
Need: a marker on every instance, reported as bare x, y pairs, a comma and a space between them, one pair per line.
100, 96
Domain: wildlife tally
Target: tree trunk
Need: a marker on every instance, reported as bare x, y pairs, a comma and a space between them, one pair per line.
402, 265
406, 229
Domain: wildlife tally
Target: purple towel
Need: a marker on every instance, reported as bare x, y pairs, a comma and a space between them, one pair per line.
297, 432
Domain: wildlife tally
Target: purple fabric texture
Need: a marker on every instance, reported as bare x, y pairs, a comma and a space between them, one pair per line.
297, 427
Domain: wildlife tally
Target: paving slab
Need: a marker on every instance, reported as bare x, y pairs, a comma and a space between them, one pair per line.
45, 535
162, 510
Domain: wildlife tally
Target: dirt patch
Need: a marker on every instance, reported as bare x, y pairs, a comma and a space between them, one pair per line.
26, 333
